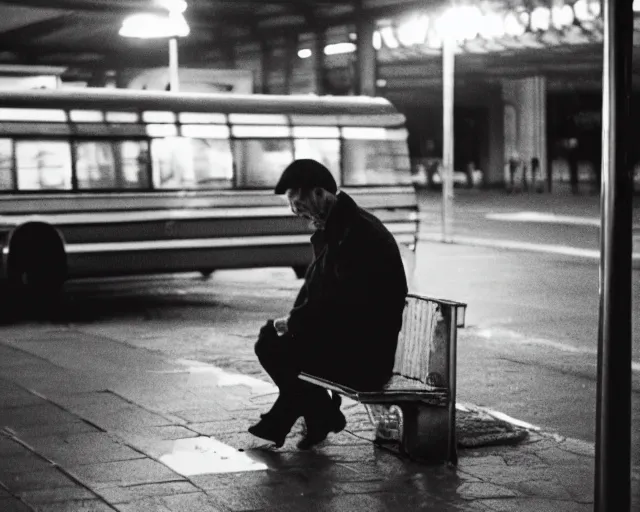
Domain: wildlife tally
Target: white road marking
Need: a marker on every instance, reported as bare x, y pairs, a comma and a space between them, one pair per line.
528, 340
498, 415
549, 218
571, 444
510, 244
564, 250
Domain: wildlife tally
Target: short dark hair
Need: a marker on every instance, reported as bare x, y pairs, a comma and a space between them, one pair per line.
306, 174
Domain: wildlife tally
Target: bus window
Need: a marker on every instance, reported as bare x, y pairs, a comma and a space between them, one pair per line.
180, 162
95, 165
43, 165
376, 162
134, 161
167, 166
325, 151
260, 162
212, 163
6, 164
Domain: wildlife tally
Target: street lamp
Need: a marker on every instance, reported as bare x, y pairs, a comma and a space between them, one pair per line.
457, 24
154, 26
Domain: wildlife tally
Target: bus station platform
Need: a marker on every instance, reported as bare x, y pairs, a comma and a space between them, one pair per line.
88, 423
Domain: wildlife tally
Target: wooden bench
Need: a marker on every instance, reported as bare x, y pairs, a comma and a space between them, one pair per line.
423, 384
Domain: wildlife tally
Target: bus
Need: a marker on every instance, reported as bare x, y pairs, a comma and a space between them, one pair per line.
113, 182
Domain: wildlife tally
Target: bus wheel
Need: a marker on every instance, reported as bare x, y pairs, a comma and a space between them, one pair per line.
300, 271
206, 273
37, 263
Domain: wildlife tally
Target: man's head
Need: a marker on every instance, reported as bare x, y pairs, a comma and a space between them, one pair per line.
310, 189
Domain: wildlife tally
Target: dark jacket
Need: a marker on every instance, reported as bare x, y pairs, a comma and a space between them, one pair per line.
349, 309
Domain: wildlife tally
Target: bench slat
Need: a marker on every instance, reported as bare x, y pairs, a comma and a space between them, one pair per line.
434, 396
416, 355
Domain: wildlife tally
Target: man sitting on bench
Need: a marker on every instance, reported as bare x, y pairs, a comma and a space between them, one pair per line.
345, 321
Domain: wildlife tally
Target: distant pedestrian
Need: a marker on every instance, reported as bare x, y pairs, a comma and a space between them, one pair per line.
536, 175
469, 170
572, 161
514, 164
345, 321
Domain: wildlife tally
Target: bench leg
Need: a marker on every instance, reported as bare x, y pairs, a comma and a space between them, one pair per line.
426, 433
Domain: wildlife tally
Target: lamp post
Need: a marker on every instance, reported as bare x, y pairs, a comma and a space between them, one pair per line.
457, 24
613, 398
174, 77
156, 26
448, 79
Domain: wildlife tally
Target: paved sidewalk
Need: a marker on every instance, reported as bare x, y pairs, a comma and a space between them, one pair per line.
88, 423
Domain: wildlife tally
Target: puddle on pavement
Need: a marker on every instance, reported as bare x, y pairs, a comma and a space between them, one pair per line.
204, 455
224, 378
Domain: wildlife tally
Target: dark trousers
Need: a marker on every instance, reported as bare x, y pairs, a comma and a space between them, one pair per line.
284, 358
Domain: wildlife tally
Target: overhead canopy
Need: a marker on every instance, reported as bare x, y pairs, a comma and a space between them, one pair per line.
82, 38
85, 32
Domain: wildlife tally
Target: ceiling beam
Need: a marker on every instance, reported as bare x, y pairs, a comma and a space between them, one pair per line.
123, 6
292, 3
204, 10
38, 29
105, 60
150, 6
577, 53
142, 54
317, 22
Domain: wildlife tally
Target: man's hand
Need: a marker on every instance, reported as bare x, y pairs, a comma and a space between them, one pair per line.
280, 325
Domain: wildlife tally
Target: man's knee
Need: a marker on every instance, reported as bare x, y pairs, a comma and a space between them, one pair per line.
265, 344
267, 331
262, 347
277, 350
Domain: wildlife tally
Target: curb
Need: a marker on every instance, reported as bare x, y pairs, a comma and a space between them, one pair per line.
565, 250
464, 406
567, 444
570, 444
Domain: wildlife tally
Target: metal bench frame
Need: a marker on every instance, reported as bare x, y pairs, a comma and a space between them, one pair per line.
428, 409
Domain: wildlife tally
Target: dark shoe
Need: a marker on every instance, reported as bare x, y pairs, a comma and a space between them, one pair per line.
269, 431
336, 422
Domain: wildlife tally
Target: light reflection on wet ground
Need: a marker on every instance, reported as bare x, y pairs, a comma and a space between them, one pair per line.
205, 455
223, 378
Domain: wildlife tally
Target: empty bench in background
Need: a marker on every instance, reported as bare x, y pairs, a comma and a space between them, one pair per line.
423, 384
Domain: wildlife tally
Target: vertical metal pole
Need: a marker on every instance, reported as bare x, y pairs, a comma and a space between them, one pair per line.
453, 364
265, 65
291, 50
366, 55
318, 63
173, 65
448, 63
613, 400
